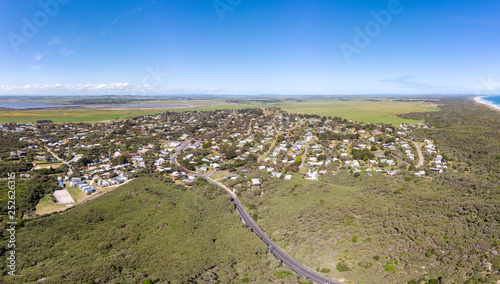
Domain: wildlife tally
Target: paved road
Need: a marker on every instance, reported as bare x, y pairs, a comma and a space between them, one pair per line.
279, 253
401, 160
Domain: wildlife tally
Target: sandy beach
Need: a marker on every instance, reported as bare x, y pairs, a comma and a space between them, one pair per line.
489, 104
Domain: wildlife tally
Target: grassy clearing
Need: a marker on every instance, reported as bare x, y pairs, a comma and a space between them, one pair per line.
46, 165
218, 176
77, 194
47, 206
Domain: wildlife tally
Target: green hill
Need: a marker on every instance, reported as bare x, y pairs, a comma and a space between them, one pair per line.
145, 230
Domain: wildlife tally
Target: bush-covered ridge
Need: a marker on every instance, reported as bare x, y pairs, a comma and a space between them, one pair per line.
145, 230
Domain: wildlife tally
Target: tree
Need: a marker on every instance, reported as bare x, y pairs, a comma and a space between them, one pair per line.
230, 153
206, 144
298, 161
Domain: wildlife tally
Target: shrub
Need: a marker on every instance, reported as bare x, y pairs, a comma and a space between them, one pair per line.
282, 274
342, 267
389, 267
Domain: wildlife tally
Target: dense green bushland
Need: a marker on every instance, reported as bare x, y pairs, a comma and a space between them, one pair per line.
381, 229
28, 193
144, 230
467, 132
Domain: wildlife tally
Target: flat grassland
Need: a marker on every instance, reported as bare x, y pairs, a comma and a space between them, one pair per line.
60, 115
382, 111
362, 110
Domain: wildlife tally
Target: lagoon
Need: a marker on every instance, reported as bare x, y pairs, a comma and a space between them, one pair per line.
26, 105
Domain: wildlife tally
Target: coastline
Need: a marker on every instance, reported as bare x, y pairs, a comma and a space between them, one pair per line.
489, 104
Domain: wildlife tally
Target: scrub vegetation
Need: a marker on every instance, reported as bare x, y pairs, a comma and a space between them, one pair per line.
146, 230
381, 229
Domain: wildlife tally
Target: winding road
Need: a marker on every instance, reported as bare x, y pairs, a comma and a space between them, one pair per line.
279, 253
70, 171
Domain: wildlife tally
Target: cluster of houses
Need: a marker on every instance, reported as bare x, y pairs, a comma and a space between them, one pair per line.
249, 133
82, 185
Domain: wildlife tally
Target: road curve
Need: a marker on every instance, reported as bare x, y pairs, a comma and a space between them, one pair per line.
279, 253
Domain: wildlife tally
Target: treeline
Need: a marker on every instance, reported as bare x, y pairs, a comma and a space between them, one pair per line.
111, 101
11, 142
27, 192
12, 167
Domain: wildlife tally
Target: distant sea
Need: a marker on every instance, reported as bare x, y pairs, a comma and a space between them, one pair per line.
493, 101
21, 105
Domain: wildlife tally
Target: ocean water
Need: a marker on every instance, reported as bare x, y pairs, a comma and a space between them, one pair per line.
493, 101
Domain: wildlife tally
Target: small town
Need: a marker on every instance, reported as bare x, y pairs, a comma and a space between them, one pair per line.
240, 149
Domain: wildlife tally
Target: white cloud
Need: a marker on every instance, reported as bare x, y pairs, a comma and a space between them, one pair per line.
63, 48
65, 51
103, 89
35, 67
38, 56
55, 41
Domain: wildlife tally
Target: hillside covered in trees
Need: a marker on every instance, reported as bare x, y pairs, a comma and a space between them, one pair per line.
146, 231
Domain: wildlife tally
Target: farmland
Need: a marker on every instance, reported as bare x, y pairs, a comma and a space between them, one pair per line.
60, 115
362, 110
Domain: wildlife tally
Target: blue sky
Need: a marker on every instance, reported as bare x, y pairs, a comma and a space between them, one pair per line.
65, 47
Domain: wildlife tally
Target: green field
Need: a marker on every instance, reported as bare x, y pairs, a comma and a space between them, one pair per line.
77, 194
46, 206
60, 115
381, 110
